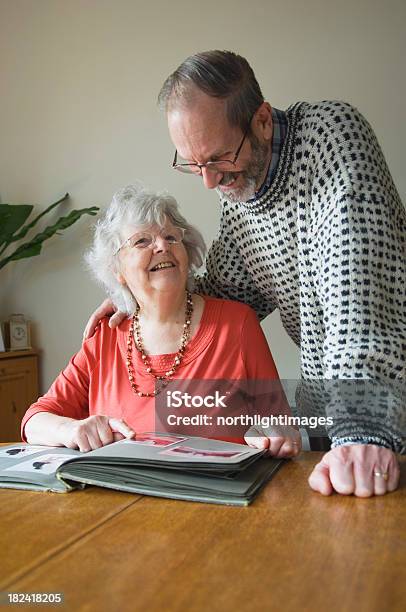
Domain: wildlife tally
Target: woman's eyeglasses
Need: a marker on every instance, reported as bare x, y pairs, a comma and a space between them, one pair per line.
147, 240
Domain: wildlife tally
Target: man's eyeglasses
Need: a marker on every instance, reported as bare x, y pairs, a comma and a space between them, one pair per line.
146, 240
220, 165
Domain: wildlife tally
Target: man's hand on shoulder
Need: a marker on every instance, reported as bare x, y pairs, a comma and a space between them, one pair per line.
359, 469
106, 309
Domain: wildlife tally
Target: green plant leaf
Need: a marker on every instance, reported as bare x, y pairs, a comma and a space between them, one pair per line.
23, 232
12, 217
33, 247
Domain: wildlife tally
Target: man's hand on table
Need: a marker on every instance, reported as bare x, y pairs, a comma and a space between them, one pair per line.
106, 309
359, 469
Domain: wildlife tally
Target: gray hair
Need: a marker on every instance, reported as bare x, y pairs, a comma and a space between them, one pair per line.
135, 205
220, 74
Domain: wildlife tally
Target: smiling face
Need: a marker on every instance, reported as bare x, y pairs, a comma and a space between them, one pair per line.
201, 132
161, 268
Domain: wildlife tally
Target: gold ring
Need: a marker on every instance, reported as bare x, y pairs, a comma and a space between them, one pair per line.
383, 475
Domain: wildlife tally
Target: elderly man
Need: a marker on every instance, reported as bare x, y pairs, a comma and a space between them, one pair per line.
311, 224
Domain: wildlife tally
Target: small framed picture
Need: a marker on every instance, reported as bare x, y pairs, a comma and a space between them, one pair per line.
2, 347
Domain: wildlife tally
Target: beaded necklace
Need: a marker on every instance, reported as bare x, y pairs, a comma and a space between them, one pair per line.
134, 337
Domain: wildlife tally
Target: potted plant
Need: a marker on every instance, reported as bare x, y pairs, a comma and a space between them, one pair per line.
13, 228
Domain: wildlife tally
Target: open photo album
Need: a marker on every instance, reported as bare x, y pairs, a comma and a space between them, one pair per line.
163, 465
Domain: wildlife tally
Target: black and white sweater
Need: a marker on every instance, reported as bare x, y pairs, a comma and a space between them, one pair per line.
326, 244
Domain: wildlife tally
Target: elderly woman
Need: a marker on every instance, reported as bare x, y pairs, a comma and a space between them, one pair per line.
145, 253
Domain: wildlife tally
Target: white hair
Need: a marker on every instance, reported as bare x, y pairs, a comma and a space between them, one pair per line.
134, 205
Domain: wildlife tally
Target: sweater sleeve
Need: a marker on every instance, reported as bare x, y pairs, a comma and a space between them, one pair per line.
359, 255
226, 274
68, 395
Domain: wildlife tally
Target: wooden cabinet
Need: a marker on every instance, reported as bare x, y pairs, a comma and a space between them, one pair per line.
18, 390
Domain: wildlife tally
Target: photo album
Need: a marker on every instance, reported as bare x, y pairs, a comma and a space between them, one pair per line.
163, 465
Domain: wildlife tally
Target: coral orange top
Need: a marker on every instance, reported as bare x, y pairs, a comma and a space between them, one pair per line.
228, 346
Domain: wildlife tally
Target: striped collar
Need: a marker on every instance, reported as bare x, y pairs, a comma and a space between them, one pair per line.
280, 127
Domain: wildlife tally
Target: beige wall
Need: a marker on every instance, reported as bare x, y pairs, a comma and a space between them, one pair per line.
79, 81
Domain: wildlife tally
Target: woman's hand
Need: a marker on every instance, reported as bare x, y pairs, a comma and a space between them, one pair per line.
106, 309
93, 432
280, 442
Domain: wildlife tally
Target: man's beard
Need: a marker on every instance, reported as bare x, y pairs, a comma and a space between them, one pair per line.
252, 175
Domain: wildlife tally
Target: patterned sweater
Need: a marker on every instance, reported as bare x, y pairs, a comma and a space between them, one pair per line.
326, 244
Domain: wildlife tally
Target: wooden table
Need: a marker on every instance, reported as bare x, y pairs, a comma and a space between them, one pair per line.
291, 550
